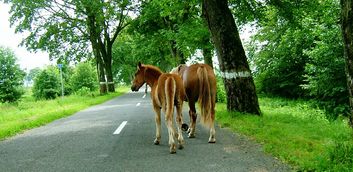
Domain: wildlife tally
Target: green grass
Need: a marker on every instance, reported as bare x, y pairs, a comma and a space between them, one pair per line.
28, 113
295, 133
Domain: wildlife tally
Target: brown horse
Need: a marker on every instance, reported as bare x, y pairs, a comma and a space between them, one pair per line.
167, 92
200, 85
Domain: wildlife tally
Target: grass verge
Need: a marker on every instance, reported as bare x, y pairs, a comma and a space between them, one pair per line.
295, 133
28, 113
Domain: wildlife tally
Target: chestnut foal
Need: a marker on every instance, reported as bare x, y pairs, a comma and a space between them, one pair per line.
167, 92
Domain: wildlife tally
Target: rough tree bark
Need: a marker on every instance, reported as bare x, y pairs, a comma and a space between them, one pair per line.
95, 47
239, 84
102, 41
347, 33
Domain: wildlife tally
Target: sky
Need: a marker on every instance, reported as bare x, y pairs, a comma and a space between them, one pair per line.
9, 39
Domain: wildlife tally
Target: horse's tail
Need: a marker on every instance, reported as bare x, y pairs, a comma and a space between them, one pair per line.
204, 96
170, 89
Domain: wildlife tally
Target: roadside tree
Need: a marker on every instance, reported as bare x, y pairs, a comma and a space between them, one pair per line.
237, 78
347, 32
71, 30
47, 84
84, 75
11, 77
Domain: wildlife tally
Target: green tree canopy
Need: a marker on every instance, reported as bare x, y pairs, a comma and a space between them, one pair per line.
174, 28
31, 75
71, 30
297, 52
11, 76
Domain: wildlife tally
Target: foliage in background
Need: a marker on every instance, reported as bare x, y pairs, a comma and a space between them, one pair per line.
11, 77
84, 75
298, 52
63, 30
129, 49
247, 11
325, 69
72, 30
31, 75
177, 25
221, 96
47, 84
165, 34
67, 71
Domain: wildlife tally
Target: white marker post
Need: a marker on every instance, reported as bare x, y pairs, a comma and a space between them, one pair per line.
60, 66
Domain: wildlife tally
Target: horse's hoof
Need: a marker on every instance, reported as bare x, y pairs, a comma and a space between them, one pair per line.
184, 127
156, 142
181, 147
212, 140
191, 135
172, 149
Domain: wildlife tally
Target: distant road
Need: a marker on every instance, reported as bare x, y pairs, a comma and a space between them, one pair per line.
118, 136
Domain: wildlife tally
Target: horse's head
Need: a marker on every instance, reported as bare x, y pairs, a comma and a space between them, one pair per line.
139, 78
179, 69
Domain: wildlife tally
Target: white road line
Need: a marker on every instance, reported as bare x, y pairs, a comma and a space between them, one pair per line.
144, 96
138, 104
121, 126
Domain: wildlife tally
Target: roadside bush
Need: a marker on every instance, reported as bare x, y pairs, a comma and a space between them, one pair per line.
11, 77
47, 84
84, 91
84, 76
221, 93
325, 73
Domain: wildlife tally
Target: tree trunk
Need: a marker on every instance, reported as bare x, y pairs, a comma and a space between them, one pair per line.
102, 52
101, 77
239, 84
109, 73
93, 36
347, 33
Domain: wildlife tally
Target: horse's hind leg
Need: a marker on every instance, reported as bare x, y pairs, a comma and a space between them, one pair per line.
179, 121
212, 138
193, 117
158, 125
171, 131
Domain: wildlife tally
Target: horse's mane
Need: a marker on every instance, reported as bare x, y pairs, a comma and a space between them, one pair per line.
153, 68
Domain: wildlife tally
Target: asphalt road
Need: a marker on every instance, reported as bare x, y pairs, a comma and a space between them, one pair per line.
86, 141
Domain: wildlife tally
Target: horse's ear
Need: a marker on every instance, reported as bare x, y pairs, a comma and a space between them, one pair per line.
180, 66
139, 65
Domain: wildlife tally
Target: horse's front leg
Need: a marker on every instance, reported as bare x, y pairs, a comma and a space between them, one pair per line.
158, 124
